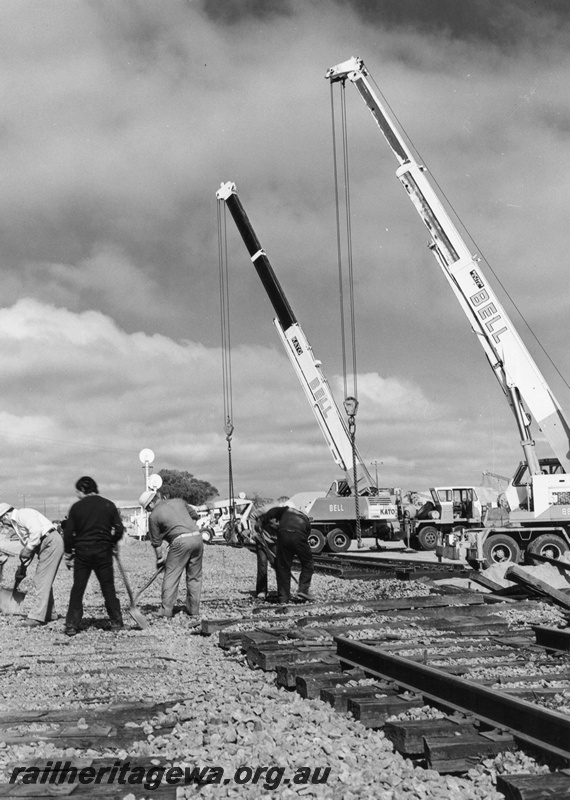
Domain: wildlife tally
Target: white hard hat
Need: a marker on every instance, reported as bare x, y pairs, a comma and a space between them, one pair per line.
146, 498
4, 508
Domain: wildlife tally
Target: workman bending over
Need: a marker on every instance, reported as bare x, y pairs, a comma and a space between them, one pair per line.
172, 521
265, 541
293, 529
33, 534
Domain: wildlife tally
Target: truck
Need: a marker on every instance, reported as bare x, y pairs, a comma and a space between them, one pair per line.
333, 514
215, 518
537, 498
450, 510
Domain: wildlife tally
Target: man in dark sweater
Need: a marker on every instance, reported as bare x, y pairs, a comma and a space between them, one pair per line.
91, 533
293, 529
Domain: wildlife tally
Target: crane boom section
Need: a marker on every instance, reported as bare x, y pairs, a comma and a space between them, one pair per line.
319, 395
306, 366
519, 376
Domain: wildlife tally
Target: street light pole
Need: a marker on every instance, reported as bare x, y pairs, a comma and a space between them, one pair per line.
146, 457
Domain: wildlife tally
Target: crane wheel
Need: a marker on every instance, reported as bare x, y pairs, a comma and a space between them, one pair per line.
548, 544
426, 537
338, 541
317, 541
499, 548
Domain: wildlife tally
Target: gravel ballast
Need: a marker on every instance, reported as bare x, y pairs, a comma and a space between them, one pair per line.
227, 715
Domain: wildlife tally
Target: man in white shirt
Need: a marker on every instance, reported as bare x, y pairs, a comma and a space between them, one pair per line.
34, 535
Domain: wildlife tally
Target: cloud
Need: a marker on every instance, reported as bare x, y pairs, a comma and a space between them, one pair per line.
119, 121
235, 11
83, 396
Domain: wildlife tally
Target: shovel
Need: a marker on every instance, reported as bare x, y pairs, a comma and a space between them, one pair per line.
271, 558
12, 599
148, 583
137, 615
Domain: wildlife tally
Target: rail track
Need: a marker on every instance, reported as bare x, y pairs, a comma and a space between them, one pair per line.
363, 567
488, 687
463, 636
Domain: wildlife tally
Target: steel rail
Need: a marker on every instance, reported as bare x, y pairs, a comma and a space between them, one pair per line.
538, 727
381, 565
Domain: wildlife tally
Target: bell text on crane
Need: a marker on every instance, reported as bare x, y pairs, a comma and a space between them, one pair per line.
320, 396
486, 309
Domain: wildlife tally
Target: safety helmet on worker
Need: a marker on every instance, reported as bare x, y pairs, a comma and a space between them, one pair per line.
146, 498
4, 508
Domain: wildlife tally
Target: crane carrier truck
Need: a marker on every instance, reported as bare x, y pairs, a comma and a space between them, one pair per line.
332, 514
537, 498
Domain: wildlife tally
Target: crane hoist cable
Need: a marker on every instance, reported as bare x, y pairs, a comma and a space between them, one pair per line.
348, 243
226, 357
351, 401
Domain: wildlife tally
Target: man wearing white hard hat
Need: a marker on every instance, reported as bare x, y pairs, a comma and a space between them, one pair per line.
28, 533
172, 521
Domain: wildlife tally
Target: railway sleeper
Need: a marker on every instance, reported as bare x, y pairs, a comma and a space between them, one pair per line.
268, 659
287, 673
459, 752
309, 686
465, 600
117, 712
552, 638
407, 736
372, 712
96, 737
338, 696
545, 786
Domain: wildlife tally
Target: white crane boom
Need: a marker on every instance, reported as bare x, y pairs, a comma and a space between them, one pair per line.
306, 366
519, 376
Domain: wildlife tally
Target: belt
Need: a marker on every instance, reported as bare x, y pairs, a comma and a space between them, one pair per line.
183, 535
51, 530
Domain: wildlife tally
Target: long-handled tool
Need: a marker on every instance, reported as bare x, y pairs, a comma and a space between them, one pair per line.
148, 583
12, 599
135, 613
271, 557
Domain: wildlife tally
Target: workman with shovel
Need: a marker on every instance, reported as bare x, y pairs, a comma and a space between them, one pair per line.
171, 521
293, 528
92, 531
27, 533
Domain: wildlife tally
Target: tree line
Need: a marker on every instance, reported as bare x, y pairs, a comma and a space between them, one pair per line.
198, 492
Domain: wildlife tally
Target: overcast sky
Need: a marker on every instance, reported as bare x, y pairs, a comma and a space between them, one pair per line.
119, 121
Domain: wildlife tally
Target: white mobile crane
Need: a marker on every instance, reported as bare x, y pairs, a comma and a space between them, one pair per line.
333, 517
538, 496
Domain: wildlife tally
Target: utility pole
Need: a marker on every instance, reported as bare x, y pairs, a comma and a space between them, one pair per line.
376, 468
